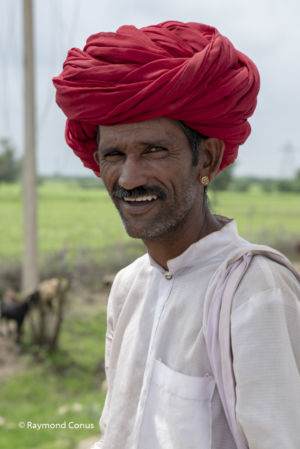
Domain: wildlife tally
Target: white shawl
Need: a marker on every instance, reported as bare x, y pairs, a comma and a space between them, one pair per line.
216, 325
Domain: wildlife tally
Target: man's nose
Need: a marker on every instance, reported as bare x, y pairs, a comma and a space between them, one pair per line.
132, 174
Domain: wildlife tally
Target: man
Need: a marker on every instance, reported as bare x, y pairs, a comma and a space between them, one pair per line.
159, 112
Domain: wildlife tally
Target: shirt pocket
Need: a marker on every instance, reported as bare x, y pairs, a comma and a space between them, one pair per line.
177, 413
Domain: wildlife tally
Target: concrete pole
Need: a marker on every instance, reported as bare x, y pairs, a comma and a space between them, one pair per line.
30, 259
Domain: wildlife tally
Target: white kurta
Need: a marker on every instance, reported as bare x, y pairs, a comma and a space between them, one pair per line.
161, 393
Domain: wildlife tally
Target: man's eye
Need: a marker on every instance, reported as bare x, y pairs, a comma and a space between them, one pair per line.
159, 151
113, 156
156, 149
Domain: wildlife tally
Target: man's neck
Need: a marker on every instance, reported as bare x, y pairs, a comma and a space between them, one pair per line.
176, 241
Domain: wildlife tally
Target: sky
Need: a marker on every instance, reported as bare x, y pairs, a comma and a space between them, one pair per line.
267, 31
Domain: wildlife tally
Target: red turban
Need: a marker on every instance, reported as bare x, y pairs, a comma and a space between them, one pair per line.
183, 71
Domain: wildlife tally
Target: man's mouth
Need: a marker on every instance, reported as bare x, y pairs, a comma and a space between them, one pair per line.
140, 198
138, 201
139, 205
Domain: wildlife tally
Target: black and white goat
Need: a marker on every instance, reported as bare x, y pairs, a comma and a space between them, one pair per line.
17, 311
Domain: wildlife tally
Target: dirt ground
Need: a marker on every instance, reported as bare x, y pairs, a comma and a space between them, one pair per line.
10, 361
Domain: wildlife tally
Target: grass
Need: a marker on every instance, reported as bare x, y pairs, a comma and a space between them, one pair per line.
58, 387
71, 218
271, 218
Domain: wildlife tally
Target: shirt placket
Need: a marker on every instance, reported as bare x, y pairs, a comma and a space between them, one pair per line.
166, 281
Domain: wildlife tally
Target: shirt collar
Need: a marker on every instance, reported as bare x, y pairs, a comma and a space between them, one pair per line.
203, 251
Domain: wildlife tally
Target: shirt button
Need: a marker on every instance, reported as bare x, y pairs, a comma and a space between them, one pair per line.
168, 276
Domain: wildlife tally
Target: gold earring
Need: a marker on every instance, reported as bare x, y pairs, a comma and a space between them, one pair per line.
96, 157
205, 180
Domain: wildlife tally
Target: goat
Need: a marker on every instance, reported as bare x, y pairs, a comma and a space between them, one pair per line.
10, 295
51, 294
50, 289
17, 312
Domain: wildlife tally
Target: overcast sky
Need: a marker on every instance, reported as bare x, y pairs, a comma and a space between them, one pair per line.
266, 30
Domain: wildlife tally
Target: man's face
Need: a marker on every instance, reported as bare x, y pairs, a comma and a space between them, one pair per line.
147, 169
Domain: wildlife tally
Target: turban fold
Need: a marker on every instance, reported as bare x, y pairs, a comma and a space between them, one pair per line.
183, 71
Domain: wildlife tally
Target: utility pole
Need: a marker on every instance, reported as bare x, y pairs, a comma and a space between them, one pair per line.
30, 264
287, 166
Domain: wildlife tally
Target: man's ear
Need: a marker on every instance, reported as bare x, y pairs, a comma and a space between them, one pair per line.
210, 157
96, 157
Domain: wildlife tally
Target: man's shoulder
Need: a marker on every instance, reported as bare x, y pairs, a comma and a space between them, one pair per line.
264, 275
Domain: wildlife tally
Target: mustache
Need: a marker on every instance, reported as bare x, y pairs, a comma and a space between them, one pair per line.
121, 193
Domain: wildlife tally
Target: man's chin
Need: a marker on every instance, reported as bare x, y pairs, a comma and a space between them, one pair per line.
135, 228
146, 232
136, 233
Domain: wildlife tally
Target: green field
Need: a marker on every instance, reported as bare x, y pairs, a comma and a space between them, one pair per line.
71, 218
269, 218
68, 217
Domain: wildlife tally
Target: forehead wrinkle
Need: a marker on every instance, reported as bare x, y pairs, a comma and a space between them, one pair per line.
155, 142
162, 127
121, 142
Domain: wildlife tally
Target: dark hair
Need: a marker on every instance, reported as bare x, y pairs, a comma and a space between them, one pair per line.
195, 139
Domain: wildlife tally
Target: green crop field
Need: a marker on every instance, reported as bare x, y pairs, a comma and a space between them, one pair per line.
68, 217
271, 218
71, 217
